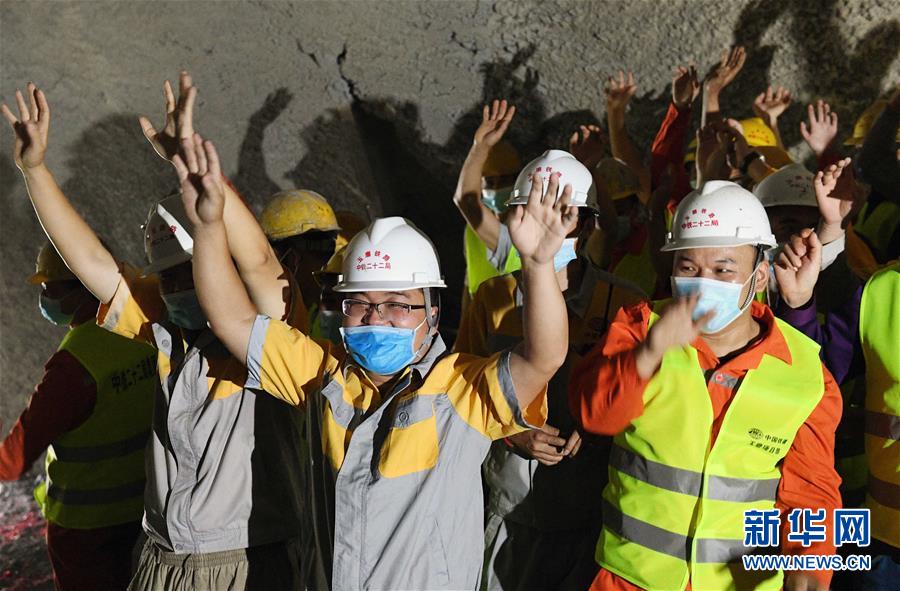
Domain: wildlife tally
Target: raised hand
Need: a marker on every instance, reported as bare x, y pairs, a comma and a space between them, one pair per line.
833, 208
676, 326
32, 127
539, 227
202, 187
685, 86
822, 127
769, 105
727, 69
797, 267
619, 91
179, 123
495, 120
588, 145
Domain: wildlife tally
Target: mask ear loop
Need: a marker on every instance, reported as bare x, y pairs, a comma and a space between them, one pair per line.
431, 320
760, 256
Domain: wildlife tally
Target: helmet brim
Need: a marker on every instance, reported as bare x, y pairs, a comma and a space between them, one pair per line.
361, 286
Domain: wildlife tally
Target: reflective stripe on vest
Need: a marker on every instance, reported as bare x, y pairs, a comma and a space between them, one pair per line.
688, 482
96, 453
673, 510
95, 473
879, 325
96, 496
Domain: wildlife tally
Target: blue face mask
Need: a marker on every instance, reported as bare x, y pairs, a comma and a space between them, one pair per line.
383, 350
184, 309
565, 254
720, 296
495, 199
330, 325
52, 309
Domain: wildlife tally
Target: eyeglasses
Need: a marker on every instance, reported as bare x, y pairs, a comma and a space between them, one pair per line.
390, 311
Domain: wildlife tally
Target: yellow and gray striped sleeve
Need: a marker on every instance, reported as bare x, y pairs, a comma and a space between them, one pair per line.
284, 362
482, 392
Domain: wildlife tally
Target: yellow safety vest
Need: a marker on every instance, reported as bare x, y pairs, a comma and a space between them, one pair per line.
879, 327
95, 473
478, 268
877, 226
638, 269
674, 506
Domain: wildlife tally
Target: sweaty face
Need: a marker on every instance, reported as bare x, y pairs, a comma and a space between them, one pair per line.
394, 311
730, 264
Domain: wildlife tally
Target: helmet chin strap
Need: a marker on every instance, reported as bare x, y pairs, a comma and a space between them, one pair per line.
760, 256
430, 320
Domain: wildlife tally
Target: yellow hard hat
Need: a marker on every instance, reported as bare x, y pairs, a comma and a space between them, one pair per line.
757, 133
617, 178
298, 211
864, 123
50, 267
502, 160
333, 266
775, 156
351, 225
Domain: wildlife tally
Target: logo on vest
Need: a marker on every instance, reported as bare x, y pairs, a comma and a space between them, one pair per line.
766, 442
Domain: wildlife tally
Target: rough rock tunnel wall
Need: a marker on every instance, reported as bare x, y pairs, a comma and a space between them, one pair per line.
372, 103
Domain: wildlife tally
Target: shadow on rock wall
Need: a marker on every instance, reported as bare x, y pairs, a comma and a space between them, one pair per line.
415, 178
109, 160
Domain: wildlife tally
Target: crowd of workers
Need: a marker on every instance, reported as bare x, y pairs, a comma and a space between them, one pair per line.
651, 350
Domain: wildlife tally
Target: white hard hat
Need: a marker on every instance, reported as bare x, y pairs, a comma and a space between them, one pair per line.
391, 254
791, 185
722, 213
572, 173
167, 235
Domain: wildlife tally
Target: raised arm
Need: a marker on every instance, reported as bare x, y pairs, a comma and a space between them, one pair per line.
256, 261
222, 295
618, 94
76, 243
537, 230
769, 105
467, 197
721, 75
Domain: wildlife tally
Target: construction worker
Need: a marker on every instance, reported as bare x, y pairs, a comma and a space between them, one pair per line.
629, 256
223, 498
303, 230
542, 524
350, 225
326, 322
91, 412
715, 406
874, 238
859, 339
482, 191
404, 426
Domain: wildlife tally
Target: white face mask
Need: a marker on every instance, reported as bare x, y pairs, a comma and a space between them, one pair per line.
719, 296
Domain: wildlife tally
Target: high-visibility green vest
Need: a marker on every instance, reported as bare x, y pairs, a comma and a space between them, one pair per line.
478, 268
674, 506
878, 226
95, 473
879, 327
638, 269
